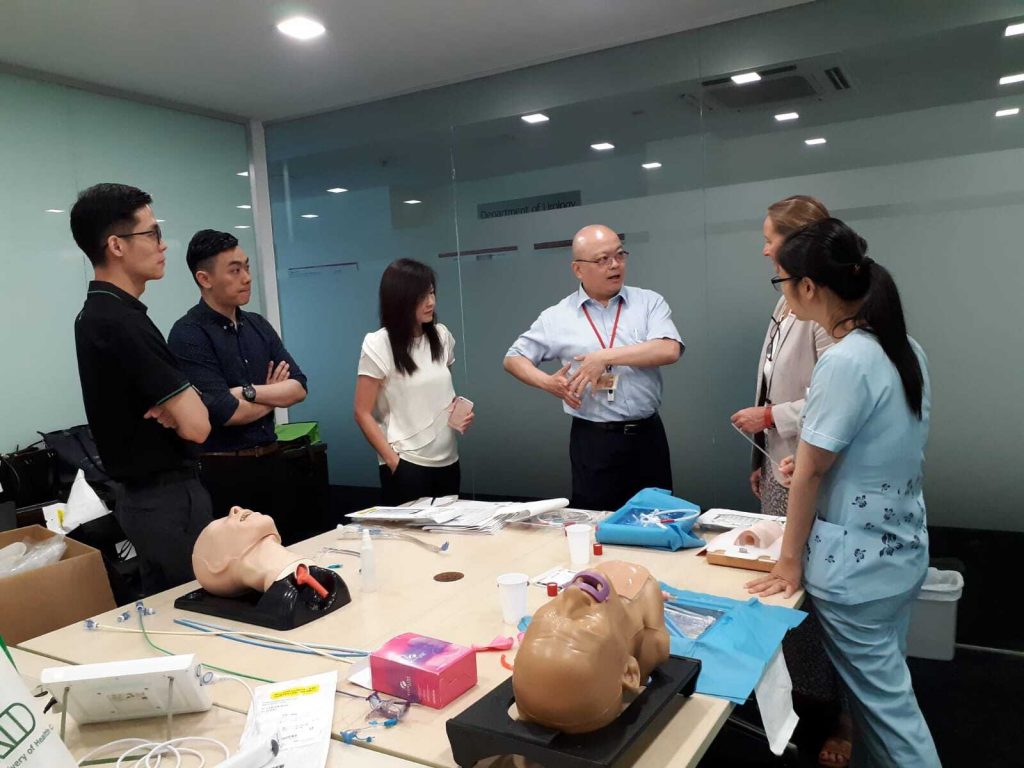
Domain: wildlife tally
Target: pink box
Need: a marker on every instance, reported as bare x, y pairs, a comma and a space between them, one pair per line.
422, 669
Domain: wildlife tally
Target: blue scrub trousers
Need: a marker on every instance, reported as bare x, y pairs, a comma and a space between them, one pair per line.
867, 643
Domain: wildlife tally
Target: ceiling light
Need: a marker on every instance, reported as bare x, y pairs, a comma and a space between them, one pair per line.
1008, 112
160, 221
311, 216
1014, 29
1010, 79
244, 173
241, 226
337, 190
301, 28
814, 142
784, 116
602, 146
651, 166
412, 202
54, 210
244, 207
536, 117
746, 77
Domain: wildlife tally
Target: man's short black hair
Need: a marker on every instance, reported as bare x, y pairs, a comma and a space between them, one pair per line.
204, 246
100, 209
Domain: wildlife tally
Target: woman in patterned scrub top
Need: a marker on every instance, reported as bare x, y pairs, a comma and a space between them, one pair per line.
856, 535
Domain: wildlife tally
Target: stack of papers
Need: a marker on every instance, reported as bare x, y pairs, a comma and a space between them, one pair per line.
447, 515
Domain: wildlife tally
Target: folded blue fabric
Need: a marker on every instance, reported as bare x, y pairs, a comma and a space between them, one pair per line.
626, 525
735, 649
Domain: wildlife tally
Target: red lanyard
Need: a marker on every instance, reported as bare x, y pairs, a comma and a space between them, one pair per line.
615, 327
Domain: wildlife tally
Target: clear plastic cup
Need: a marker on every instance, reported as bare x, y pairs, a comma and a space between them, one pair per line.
512, 595
579, 543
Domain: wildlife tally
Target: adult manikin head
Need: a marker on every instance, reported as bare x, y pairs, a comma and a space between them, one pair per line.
239, 552
589, 650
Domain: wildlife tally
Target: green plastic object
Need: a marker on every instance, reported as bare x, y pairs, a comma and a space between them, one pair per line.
297, 430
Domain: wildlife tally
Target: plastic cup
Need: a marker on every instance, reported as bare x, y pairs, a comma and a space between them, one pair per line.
579, 543
512, 595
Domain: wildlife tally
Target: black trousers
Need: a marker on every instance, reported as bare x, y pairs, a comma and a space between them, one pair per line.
611, 461
411, 481
162, 518
285, 485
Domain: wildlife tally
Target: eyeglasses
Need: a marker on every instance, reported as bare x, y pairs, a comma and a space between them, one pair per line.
155, 232
604, 261
769, 352
778, 281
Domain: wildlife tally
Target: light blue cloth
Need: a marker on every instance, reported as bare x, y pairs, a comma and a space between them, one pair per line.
625, 527
562, 332
866, 643
735, 649
870, 538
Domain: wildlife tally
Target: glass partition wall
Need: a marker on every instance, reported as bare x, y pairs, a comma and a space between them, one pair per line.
906, 134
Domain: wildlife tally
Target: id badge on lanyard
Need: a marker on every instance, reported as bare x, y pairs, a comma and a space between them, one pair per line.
607, 381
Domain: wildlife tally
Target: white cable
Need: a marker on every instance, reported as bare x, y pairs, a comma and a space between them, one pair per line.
314, 649
157, 750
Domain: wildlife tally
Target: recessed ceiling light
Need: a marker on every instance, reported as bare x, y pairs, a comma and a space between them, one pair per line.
1008, 112
337, 190
746, 77
241, 226
160, 221
243, 173
1014, 29
814, 142
536, 117
311, 216
54, 210
784, 116
412, 202
602, 146
1010, 79
301, 28
651, 166
244, 207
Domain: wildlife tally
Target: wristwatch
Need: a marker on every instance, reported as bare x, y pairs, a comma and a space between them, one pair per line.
249, 393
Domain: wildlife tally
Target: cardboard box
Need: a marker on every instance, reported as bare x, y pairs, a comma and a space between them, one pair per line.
48, 598
423, 670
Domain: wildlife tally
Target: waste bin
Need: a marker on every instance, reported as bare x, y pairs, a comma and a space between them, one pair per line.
932, 633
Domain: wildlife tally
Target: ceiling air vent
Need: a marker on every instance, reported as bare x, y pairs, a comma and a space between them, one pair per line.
837, 78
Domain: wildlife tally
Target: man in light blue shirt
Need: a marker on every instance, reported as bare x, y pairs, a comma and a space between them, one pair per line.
610, 340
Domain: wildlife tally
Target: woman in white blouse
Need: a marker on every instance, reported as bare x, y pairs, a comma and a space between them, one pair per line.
404, 391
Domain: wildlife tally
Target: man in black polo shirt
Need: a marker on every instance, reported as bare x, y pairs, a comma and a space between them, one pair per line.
238, 362
144, 413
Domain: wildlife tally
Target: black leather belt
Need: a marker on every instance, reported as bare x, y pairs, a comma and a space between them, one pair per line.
633, 427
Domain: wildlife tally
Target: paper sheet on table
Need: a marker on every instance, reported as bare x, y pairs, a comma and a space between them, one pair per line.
774, 694
82, 506
298, 713
360, 674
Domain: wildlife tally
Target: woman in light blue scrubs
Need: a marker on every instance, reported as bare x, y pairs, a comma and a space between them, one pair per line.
856, 533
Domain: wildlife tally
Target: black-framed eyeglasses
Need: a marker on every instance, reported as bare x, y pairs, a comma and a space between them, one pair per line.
604, 261
773, 334
155, 232
778, 281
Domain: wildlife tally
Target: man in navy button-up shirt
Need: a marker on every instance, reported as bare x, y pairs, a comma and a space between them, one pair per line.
239, 364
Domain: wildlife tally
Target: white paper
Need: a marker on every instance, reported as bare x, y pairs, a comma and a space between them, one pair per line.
559, 575
298, 713
774, 694
27, 737
360, 674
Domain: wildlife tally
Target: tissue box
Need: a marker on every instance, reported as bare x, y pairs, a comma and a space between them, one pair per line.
423, 670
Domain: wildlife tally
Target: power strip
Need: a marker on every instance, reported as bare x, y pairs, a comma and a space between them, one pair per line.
129, 690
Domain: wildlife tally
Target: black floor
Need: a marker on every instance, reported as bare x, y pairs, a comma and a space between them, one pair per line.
972, 705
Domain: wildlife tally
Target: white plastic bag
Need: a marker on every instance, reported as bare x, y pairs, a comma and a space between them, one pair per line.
35, 554
942, 586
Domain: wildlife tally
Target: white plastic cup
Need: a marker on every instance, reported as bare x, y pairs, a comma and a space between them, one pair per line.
512, 595
579, 543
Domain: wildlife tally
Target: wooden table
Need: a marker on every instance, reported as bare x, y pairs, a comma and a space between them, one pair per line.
409, 599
